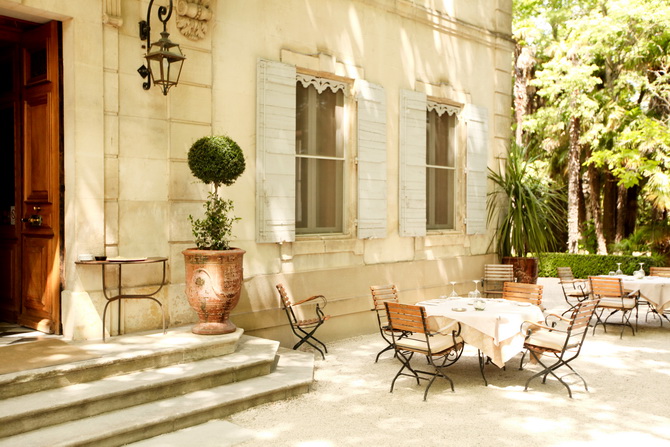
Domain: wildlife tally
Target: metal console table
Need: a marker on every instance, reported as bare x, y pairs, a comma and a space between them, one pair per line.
123, 296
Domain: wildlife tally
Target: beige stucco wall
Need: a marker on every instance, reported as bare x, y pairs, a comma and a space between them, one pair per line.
128, 188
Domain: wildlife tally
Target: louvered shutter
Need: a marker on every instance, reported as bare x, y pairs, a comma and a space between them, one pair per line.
275, 152
371, 160
412, 163
477, 146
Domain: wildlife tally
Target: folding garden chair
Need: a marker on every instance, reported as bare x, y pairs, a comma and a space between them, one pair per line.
305, 329
380, 295
574, 290
411, 319
564, 344
614, 298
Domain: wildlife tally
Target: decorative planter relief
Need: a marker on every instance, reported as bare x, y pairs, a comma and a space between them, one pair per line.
193, 17
213, 285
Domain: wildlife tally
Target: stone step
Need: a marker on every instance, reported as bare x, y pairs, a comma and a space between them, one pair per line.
254, 357
215, 433
293, 376
121, 355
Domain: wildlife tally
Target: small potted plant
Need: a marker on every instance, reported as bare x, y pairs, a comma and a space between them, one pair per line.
214, 269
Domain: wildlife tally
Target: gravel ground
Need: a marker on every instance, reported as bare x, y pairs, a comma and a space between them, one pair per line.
350, 404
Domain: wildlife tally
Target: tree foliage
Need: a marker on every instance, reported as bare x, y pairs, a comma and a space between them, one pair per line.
605, 65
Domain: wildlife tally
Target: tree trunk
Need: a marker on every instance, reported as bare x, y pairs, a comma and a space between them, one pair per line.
632, 207
523, 66
594, 205
573, 186
609, 208
620, 213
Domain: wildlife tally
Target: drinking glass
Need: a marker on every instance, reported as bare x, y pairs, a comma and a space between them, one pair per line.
618, 269
453, 293
476, 293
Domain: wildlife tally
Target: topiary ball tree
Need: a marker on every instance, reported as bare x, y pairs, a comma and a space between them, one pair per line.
220, 161
216, 159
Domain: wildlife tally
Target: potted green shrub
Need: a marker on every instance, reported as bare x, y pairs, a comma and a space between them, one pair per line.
214, 269
526, 211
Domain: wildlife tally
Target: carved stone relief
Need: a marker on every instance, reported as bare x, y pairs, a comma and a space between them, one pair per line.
193, 18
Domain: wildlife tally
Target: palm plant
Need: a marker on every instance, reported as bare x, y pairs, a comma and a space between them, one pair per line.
525, 207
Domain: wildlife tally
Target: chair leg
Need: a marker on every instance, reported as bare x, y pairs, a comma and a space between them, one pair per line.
306, 336
440, 373
546, 371
405, 364
388, 348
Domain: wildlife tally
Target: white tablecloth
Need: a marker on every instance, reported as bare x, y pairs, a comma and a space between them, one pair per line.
654, 289
495, 330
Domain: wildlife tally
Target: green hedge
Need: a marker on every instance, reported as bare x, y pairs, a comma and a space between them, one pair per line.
585, 265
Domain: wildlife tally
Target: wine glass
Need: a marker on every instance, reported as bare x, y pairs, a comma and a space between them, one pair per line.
618, 269
476, 293
453, 293
641, 269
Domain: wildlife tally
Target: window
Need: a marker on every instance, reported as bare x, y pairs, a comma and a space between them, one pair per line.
440, 170
301, 143
319, 151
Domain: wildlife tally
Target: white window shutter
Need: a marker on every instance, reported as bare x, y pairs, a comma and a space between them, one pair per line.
275, 152
477, 162
371, 160
412, 163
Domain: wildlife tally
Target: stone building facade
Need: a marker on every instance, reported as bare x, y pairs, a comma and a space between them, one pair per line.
368, 127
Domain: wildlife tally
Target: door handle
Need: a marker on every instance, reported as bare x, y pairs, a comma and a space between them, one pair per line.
35, 220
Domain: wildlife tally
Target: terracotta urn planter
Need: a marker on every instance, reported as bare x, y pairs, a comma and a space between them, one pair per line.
213, 285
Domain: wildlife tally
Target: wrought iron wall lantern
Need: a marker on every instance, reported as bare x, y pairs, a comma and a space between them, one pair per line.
164, 58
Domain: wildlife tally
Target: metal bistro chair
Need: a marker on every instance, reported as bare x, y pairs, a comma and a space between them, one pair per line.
564, 344
305, 329
411, 319
380, 295
574, 290
614, 299
495, 275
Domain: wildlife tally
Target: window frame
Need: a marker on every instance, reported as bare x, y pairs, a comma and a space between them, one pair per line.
440, 106
322, 81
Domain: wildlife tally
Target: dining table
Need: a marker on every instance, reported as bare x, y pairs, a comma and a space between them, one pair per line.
653, 289
495, 330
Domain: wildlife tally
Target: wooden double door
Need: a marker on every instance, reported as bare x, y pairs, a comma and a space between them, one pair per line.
30, 174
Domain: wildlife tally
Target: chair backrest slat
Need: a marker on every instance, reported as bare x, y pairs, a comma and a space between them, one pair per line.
499, 272
605, 287
516, 291
406, 317
286, 303
582, 316
660, 271
381, 294
565, 274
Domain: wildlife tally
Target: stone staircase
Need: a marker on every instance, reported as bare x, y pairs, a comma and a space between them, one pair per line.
144, 385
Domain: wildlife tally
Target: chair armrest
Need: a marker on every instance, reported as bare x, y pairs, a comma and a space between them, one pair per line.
530, 325
311, 298
560, 317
